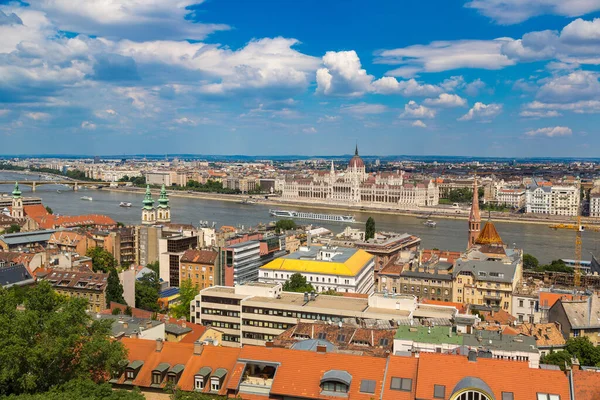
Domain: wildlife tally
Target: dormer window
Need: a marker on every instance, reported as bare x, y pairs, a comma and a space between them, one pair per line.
174, 373
336, 381
216, 380
201, 378
132, 370
158, 373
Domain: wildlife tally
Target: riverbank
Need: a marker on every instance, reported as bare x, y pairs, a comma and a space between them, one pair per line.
464, 215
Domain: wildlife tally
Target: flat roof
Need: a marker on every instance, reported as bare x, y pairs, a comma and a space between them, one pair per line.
321, 301
424, 334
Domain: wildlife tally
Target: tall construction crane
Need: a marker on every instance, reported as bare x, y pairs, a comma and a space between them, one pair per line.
579, 228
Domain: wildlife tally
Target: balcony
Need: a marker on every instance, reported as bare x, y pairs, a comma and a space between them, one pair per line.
257, 378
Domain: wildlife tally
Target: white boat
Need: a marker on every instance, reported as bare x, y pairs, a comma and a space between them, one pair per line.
311, 215
88, 198
430, 223
124, 204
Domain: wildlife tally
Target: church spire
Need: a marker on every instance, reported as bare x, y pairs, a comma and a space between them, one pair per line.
356, 150
474, 216
163, 200
16, 191
148, 200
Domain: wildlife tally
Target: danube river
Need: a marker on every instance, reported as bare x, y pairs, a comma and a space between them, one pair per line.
545, 243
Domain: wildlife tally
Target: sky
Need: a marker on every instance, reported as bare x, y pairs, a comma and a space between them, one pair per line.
488, 78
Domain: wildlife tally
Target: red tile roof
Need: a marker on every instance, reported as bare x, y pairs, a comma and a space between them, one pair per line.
459, 306
587, 385
499, 375
199, 256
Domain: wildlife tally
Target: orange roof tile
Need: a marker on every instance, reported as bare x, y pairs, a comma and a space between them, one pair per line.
213, 357
311, 366
499, 375
587, 385
401, 367
459, 306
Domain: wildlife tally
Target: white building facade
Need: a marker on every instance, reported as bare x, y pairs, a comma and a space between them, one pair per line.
552, 200
356, 187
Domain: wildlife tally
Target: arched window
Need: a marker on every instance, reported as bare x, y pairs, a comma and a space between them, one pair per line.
472, 395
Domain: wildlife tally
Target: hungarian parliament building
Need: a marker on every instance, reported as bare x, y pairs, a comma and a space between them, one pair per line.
356, 187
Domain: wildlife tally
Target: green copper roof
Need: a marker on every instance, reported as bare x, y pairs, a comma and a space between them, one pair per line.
148, 200
424, 334
16, 192
163, 200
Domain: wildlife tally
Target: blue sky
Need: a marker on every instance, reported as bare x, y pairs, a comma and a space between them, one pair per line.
498, 78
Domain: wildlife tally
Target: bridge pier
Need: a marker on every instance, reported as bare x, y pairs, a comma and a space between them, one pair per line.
33, 187
76, 187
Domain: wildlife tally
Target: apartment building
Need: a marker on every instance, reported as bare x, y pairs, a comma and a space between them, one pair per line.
542, 198
171, 249
511, 197
258, 312
88, 285
200, 266
386, 245
595, 202
241, 262
339, 269
577, 318
159, 178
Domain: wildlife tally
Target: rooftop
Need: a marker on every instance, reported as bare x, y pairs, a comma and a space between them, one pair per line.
323, 260
425, 334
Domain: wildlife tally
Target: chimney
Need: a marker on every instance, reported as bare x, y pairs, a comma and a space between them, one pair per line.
269, 344
159, 344
313, 296
575, 364
306, 297
148, 324
198, 347
125, 325
183, 325
321, 349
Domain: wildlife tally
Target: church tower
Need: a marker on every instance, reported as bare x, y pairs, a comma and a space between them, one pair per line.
148, 211
474, 217
163, 211
17, 203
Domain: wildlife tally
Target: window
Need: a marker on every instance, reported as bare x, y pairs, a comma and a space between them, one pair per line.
367, 386
508, 396
439, 391
546, 396
322, 335
130, 374
156, 378
334, 387
472, 395
215, 385
520, 303
199, 383
404, 384
383, 342
341, 338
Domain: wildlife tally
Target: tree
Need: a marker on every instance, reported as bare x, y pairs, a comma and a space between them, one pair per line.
14, 228
116, 311
102, 260
49, 210
83, 389
51, 341
555, 266
178, 394
558, 358
585, 351
114, 289
187, 292
332, 292
154, 266
128, 311
284, 225
297, 283
529, 261
147, 289
370, 229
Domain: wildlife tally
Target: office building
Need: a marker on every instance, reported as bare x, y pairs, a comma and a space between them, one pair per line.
171, 249
327, 268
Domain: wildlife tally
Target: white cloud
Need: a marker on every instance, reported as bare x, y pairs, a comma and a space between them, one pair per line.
185, 121
446, 100
328, 118
390, 85
453, 83
138, 96
37, 116
106, 113
4, 112
133, 19
88, 125
576, 86
446, 55
309, 130
414, 110
342, 75
539, 114
483, 112
514, 11
578, 107
419, 124
474, 88
364, 108
551, 131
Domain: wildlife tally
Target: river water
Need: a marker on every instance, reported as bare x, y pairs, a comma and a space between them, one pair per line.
544, 243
